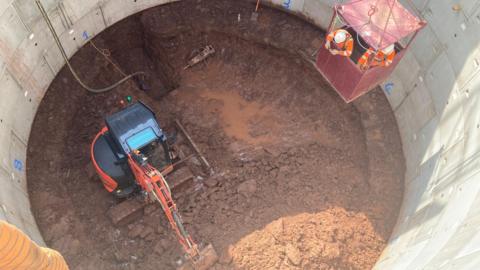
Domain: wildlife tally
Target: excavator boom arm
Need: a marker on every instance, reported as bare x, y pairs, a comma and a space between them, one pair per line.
153, 182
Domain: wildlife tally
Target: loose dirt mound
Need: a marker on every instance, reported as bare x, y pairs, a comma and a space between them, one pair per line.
285, 148
331, 239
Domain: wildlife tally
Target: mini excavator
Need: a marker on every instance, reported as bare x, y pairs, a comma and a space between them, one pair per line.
121, 154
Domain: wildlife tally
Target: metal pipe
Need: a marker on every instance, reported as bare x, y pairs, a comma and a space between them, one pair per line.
203, 160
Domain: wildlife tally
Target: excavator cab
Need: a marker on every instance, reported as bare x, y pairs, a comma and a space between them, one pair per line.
132, 131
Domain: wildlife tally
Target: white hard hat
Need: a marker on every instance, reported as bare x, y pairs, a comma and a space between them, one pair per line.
340, 36
388, 49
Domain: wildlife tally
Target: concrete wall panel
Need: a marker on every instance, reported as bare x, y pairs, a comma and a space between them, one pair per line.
427, 47
472, 117
319, 11
29, 12
16, 207
9, 21
75, 12
115, 10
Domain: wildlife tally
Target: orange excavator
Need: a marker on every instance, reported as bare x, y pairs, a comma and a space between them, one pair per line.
120, 154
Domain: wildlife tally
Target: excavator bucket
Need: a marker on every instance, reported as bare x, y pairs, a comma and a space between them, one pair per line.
206, 259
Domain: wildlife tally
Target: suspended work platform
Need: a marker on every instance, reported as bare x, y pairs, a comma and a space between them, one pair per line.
375, 25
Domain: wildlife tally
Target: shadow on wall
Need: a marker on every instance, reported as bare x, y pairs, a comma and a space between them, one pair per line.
439, 121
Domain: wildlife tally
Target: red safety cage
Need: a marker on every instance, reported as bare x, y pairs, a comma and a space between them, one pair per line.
373, 24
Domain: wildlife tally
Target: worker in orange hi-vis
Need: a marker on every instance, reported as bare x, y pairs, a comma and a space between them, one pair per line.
382, 58
339, 42
18, 252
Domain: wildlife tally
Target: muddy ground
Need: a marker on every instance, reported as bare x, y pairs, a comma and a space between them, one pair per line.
302, 180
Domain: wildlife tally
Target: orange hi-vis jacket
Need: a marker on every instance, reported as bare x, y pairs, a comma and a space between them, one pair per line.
19, 252
344, 48
380, 59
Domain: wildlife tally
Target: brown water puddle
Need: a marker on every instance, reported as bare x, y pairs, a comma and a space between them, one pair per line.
244, 120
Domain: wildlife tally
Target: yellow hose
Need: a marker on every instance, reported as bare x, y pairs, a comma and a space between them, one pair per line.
19, 252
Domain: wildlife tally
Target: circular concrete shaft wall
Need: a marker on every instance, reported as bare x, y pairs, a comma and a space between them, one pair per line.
435, 98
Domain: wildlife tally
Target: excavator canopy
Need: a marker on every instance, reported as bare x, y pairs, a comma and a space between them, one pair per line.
134, 127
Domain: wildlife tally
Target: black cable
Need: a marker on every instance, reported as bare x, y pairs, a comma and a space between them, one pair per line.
65, 57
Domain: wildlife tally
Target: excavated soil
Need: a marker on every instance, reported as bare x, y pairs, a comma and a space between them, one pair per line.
302, 180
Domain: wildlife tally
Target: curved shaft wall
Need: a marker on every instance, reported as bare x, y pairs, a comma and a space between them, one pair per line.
435, 97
